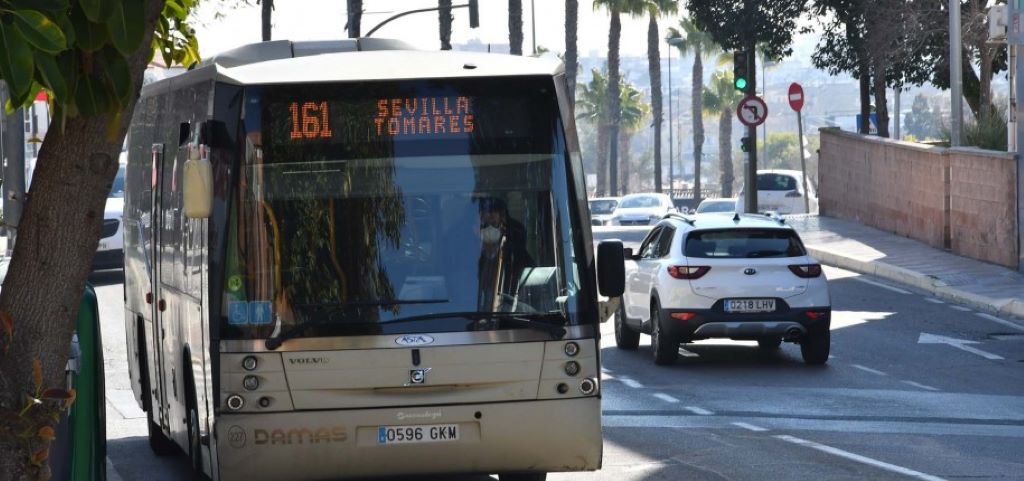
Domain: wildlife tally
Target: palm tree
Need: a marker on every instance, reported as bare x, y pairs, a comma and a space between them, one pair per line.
515, 27
592, 106
702, 46
267, 7
634, 115
571, 66
615, 8
720, 99
654, 9
355, 18
444, 17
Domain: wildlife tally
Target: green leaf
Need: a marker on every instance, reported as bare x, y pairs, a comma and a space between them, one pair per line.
93, 9
117, 75
91, 36
90, 96
125, 26
44, 4
64, 22
51, 76
39, 30
16, 64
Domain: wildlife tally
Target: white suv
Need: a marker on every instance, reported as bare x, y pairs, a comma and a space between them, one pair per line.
745, 277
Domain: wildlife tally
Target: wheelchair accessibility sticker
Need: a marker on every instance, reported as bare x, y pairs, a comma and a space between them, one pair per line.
252, 312
238, 313
259, 312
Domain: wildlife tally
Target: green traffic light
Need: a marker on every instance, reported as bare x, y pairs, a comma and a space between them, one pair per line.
741, 83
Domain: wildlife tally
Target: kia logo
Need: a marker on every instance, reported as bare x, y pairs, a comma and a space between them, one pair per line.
414, 340
750, 271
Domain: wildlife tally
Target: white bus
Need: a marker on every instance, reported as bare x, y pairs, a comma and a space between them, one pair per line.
350, 258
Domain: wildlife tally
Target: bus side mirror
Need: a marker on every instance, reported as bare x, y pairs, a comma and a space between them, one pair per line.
611, 268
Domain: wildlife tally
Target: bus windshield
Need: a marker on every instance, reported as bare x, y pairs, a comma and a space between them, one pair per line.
373, 205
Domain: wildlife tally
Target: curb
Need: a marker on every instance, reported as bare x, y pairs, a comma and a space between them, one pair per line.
1006, 307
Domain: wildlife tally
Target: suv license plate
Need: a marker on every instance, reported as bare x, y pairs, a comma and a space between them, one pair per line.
750, 305
431, 433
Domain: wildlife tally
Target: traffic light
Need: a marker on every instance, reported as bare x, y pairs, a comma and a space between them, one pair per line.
745, 144
474, 14
739, 70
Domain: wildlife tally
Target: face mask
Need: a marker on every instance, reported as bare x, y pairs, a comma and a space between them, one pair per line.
490, 235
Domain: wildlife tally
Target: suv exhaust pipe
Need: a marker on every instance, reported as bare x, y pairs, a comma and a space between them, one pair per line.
794, 333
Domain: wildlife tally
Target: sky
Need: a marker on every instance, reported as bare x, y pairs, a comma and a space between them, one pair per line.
325, 19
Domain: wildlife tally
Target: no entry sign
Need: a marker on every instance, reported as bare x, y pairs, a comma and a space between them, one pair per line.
796, 96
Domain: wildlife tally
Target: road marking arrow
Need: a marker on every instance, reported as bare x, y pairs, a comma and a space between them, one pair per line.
957, 343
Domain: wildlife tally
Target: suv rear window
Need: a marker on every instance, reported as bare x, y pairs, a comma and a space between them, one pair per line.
776, 182
744, 243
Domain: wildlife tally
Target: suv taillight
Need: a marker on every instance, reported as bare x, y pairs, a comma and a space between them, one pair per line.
688, 272
794, 193
806, 271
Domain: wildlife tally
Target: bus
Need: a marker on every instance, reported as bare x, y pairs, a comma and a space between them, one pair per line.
351, 258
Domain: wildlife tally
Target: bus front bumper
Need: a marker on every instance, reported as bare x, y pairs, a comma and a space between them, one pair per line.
526, 436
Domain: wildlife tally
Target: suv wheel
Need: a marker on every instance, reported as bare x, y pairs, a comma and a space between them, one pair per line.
625, 337
815, 347
769, 343
666, 350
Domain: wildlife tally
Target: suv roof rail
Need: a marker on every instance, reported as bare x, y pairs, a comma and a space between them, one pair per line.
677, 215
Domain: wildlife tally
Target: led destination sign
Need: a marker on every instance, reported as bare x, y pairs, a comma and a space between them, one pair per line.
424, 115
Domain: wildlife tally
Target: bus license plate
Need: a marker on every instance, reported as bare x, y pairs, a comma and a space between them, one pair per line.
432, 433
750, 305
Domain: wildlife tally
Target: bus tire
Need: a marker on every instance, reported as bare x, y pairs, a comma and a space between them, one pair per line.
195, 447
522, 477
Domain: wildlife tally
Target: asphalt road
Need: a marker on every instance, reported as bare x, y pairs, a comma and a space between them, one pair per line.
916, 389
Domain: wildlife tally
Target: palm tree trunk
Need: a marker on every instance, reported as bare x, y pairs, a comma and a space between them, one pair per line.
881, 108
614, 107
444, 17
515, 27
624, 161
602, 158
355, 18
654, 65
571, 20
725, 173
865, 97
697, 101
267, 7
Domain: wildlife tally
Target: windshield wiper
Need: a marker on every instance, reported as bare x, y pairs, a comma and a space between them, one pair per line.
275, 342
532, 320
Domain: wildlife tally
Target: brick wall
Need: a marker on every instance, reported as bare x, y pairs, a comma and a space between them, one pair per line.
960, 199
983, 205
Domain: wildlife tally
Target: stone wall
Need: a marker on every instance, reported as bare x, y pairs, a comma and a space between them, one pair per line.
959, 199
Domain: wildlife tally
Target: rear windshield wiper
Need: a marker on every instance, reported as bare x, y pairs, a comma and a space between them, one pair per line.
275, 342
532, 320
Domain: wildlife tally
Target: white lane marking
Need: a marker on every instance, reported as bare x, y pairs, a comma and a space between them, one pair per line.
1001, 321
933, 300
665, 397
749, 427
631, 383
683, 352
919, 385
112, 474
860, 459
883, 286
961, 344
868, 369
697, 410
960, 308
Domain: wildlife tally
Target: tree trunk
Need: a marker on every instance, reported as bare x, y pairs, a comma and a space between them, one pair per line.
624, 139
57, 239
865, 98
515, 27
444, 18
355, 18
571, 66
697, 102
614, 102
654, 63
602, 158
268, 8
881, 107
725, 173
985, 83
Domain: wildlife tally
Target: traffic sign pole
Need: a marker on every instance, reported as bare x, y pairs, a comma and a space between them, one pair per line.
750, 166
796, 101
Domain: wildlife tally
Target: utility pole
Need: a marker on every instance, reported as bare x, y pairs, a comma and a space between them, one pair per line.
956, 78
1015, 38
533, 25
750, 166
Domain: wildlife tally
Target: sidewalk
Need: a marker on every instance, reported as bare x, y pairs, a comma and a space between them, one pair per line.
867, 250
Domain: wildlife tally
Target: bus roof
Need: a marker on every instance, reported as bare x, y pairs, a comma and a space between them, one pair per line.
283, 62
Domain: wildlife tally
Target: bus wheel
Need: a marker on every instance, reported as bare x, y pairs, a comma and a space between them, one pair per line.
195, 452
158, 441
523, 477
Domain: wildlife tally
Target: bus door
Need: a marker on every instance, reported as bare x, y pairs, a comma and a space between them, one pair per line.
159, 348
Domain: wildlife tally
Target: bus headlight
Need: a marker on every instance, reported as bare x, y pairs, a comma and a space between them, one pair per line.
251, 383
572, 368
235, 402
572, 349
588, 386
250, 363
